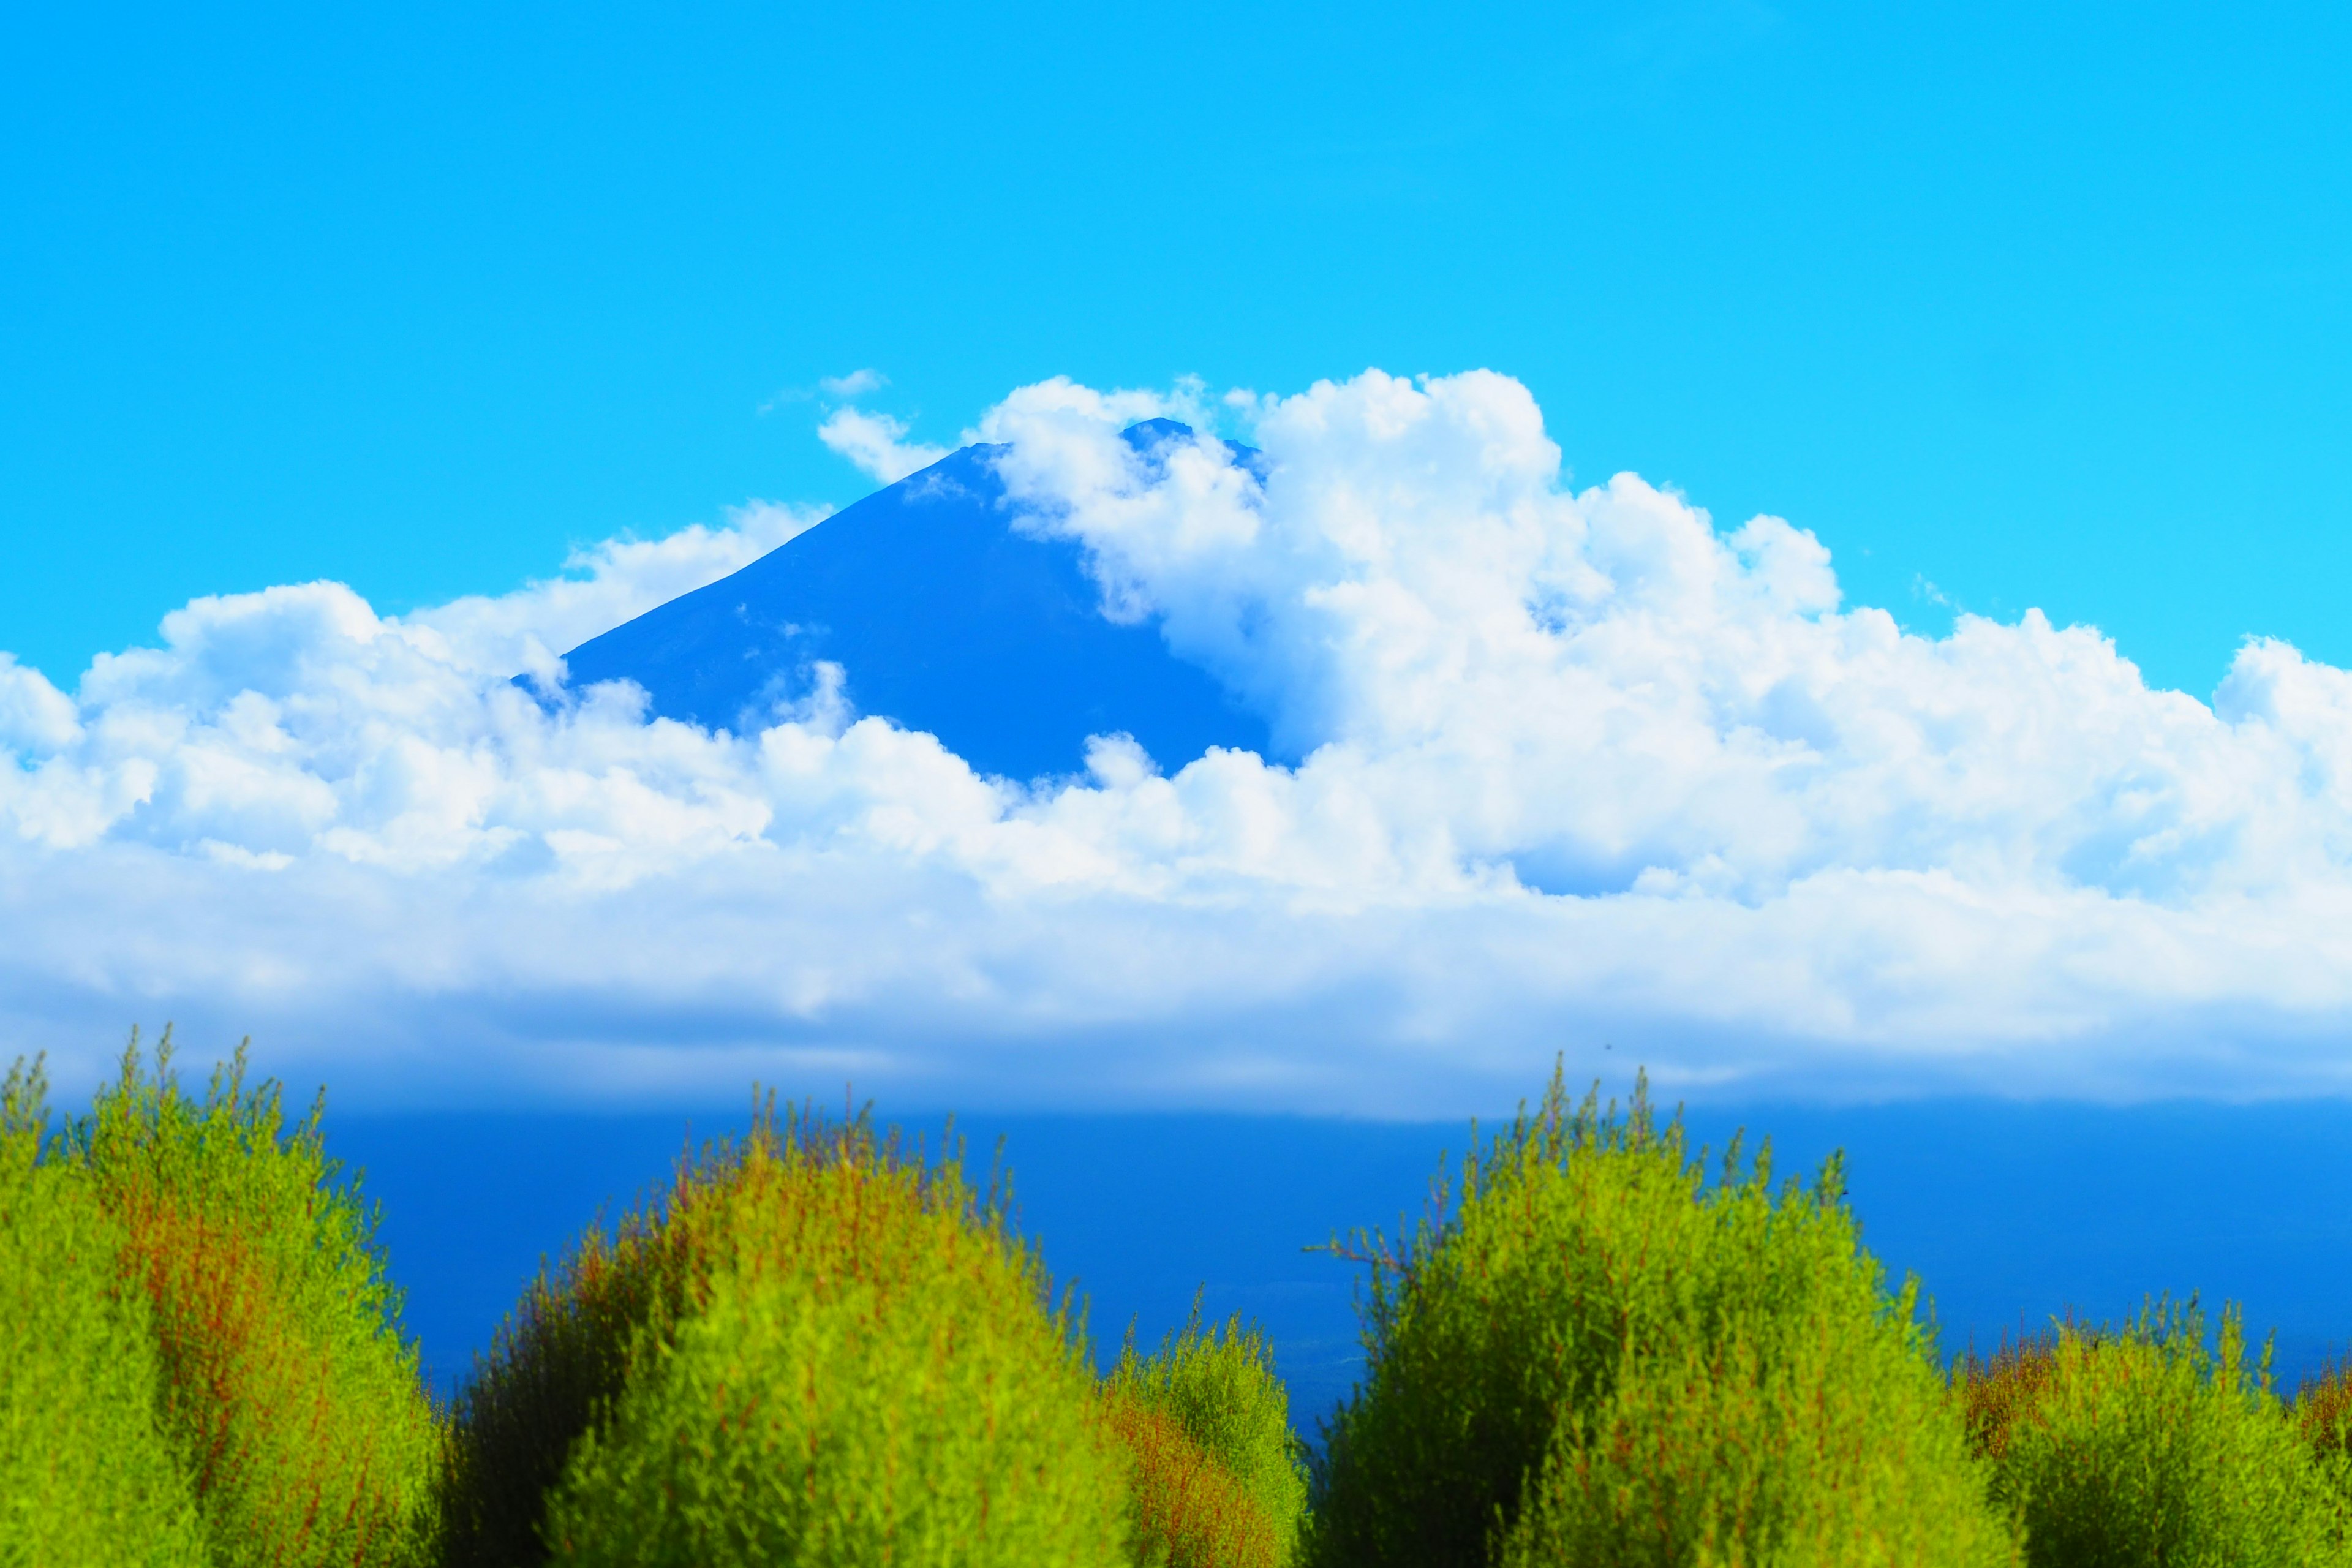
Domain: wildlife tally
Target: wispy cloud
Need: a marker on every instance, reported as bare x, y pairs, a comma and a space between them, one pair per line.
830, 388
856, 384
1579, 767
876, 443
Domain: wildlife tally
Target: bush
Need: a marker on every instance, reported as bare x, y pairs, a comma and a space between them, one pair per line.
1601, 1358
2146, 1446
820, 1348
86, 1475
858, 1365
1214, 1468
560, 1358
291, 1401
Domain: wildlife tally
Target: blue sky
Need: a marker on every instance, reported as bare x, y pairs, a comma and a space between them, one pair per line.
2012, 305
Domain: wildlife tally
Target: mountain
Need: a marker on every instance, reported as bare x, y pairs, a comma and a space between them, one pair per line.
944, 619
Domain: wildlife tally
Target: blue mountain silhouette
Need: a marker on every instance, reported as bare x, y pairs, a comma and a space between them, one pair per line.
944, 619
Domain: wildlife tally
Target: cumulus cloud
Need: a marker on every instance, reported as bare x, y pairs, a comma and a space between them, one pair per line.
1576, 767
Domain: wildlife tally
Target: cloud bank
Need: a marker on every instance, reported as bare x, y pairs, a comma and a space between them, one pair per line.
1578, 769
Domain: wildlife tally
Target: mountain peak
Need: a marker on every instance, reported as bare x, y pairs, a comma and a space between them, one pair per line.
943, 618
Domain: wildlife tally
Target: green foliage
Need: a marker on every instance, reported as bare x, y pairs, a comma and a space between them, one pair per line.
85, 1473
1602, 1359
288, 1394
2149, 1445
820, 1348
203, 1359
1215, 1472
1185, 1509
859, 1365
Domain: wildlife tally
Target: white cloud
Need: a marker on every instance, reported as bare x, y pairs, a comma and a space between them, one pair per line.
856, 384
1578, 767
527, 631
876, 443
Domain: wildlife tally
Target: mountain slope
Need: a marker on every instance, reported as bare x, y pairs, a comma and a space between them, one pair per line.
944, 619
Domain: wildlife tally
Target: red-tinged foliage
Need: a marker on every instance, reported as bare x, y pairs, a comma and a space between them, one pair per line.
867, 1370
288, 1394
2323, 1412
818, 1346
2148, 1443
1998, 1394
1190, 1510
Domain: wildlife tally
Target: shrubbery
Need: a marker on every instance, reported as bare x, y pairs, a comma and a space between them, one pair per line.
821, 1349
1599, 1358
559, 1361
2146, 1445
1217, 1473
287, 1388
87, 1473
214, 1306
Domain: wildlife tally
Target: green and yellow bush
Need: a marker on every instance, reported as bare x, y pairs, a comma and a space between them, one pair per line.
1599, 1357
86, 1474
2147, 1445
288, 1394
208, 1295
1216, 1475
819, 1348
822, 1352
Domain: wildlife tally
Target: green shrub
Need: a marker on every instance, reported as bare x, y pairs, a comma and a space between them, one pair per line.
1185, 1509
86, 1475
289, 1397
1599, 1358
1215, 1472
2147, 1446
862, 1367
559, 1360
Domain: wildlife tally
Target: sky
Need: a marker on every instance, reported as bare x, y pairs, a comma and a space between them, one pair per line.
2011, 305
353, 363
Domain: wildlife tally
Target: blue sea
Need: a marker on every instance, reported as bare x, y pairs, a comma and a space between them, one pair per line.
2008, 1214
